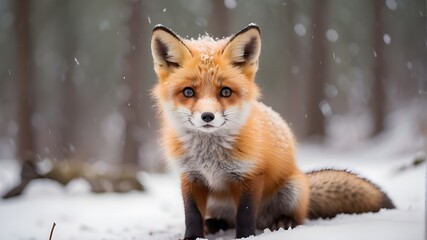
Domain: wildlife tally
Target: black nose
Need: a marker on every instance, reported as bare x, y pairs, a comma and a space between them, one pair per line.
208, 117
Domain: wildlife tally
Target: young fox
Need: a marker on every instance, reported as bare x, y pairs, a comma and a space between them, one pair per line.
236, 156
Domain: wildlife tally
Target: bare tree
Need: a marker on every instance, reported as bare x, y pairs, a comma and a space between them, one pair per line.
122, 178
378, 96
25, 96
69, 100
133, 62
318, 71
115, 178
294, 99
219, 19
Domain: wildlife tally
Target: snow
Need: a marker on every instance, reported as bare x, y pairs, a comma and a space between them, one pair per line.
336, 59
325, 108
104, 25
332, 35
387, 39
299, 29
391, 4
230, 4
368, 226
331, 91
158, 212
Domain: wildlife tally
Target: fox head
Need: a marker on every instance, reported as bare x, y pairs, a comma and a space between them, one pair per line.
206, 85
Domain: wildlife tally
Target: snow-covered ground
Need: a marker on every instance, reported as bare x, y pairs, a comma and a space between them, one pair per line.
158, 212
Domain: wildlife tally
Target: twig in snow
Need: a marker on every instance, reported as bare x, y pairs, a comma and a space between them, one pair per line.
51, 231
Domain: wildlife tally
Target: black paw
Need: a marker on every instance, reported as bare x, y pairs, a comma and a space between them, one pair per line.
284, 222
190, 238
213, 225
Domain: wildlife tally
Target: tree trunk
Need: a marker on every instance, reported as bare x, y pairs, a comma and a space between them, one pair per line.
318, 72
24, 80
69, 99
26, 153
378, 98
116, 179
294, 110
219, 19
132, 79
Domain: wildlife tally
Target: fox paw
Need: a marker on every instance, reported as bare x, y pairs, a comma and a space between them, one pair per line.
284, 222
213, 225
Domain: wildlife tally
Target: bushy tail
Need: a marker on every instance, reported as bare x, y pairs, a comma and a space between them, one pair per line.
337, 191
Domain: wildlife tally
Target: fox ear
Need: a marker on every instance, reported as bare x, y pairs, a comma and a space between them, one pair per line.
243, 49
167, 48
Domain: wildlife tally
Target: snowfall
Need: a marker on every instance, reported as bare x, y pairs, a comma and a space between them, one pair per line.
157, 213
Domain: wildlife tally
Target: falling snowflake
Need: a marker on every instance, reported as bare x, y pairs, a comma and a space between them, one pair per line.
332, 35
387, 38
104, 25
230, 4
299, 29
391, 4
325, 108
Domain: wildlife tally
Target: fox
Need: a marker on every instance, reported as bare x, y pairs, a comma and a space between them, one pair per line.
235, 155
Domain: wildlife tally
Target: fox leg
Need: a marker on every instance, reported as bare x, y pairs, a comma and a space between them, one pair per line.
245, 216
195, 198
247, 197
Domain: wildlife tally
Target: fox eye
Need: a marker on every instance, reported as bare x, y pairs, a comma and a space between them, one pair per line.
188, 92
225, 92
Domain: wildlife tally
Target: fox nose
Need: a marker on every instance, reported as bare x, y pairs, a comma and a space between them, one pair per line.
208, 117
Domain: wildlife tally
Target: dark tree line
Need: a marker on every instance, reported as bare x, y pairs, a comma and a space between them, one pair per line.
70, 166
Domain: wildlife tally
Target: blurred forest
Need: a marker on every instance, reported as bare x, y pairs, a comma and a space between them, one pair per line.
75, 76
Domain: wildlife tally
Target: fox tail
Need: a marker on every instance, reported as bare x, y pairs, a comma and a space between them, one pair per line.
338, 191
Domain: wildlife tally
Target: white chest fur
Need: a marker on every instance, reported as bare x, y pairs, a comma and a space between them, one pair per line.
208, 158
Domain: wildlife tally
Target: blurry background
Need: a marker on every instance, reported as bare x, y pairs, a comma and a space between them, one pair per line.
75, 77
